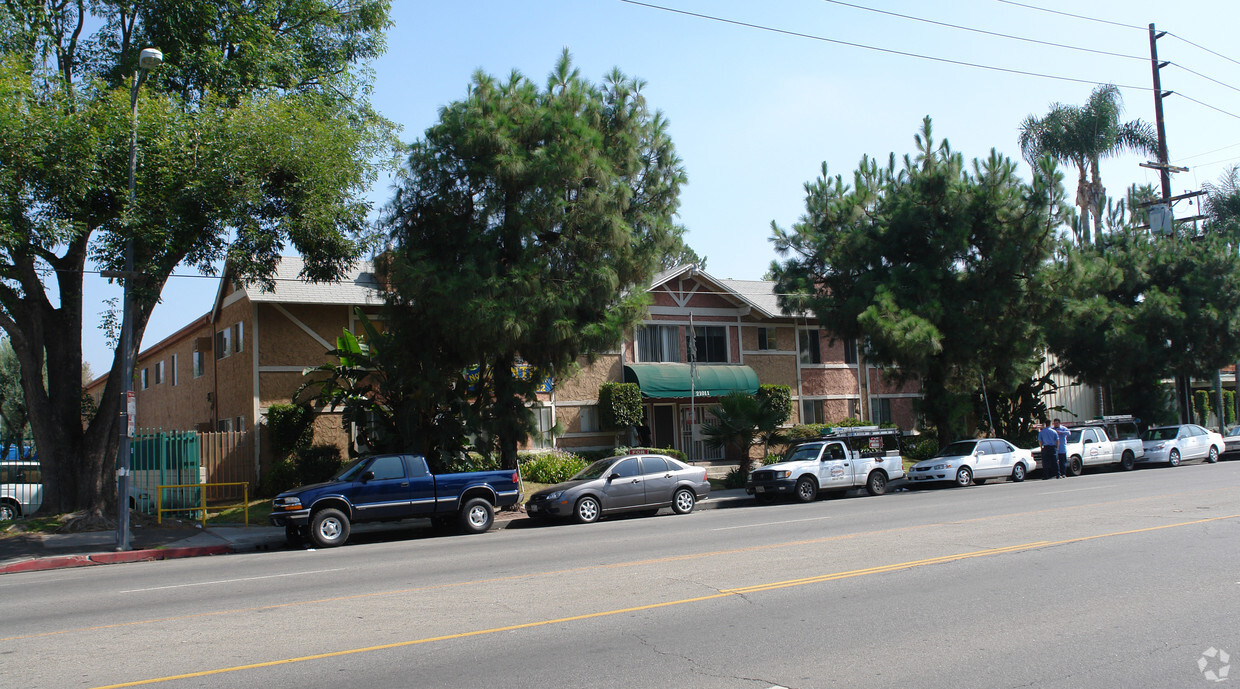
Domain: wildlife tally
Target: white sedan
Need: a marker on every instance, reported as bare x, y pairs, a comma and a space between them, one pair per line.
974, 461
1173, 444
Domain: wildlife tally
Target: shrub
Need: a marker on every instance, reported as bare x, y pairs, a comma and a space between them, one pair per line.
920, 447
670, 452
318, 463
290, 428
551, 466
619, 406
734, 479
471, 461
282, 475
772, 458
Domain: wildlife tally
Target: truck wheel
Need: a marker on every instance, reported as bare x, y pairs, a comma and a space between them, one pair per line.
1173, 458
587, 510
477, 516
807, 489
1075, 467
1213, 456
329, 528
293, 535
1018, 472
876, 484
683, 501
1127, 461
9, 511
964, 476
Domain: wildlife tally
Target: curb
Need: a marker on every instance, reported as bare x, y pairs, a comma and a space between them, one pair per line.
63, 561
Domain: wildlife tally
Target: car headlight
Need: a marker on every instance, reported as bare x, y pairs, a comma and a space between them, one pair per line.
783, 473
555, 496
942, 466
287, 504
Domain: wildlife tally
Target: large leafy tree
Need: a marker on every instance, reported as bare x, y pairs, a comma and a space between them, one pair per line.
1084, 135
1145, 309
529, 222
255, 133
935, 265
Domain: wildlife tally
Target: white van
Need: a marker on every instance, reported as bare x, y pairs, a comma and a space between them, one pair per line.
21, 489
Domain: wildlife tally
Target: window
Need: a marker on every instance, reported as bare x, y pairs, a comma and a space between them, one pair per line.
223, 343
854, 408
654, 465
239, 424
709, 343
159, 372
628, 467
224, 425
589, 419
811, 352
145, 380
200, 364
172, 371
656, 343
766, 339
238, 330
850, 351
542, 439
387, 468
811, 411
882, 410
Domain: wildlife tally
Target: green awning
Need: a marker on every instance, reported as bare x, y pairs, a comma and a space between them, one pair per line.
672, 380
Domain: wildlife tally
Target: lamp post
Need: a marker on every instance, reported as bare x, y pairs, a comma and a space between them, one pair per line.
148, 59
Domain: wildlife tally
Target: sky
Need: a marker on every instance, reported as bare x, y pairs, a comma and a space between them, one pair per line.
760, 95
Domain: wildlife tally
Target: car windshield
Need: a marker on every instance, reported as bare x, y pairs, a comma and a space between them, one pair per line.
1161, 433
1233, 431
958, 449
804, 452
350, 471
595, 470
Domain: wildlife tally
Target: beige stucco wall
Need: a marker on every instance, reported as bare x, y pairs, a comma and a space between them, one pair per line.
829, 381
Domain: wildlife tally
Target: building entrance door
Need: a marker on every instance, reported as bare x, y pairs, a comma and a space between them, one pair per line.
663, 426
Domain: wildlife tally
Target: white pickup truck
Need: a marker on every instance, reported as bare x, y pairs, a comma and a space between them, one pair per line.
1112, 440
860, 456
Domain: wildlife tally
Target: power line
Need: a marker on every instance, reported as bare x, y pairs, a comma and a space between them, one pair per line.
1202, 47
989, 33
1075, 16
1220, 83
1215, 150
889, 51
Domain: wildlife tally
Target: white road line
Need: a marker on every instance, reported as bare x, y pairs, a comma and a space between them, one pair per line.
1075, 490
752, 526
230, 581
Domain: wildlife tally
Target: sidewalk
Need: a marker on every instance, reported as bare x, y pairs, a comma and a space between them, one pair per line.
42, 551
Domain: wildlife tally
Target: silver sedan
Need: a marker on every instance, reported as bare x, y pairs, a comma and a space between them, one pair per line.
632, 483
1173, 444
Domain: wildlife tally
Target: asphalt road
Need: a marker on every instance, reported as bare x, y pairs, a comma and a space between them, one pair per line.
1106, 580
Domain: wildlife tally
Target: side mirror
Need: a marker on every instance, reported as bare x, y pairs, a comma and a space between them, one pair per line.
613, 477
368, 476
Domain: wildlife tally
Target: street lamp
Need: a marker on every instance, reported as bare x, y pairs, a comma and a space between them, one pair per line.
148, 59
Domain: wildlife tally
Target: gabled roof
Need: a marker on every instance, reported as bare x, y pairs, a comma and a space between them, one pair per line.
359, 287
759, 295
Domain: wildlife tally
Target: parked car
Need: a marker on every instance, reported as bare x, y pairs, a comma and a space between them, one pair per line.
1112, 440
843, 458
1231, 441
974, 461
21, 489
1174, 444
627, 483
391, 488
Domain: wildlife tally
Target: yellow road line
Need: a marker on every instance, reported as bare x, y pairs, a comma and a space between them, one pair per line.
684, 601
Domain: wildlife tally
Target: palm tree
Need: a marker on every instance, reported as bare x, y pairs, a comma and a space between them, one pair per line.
742, 421
1082, 136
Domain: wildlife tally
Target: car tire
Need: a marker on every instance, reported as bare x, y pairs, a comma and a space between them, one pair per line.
1075, 466
1127, 461
587, 510
1018, 472
1173, 458
294, 535
1213, 456
683, 501
329, 528
806, 489
764, 498
9, 511
876, 483
476, 516
964, 476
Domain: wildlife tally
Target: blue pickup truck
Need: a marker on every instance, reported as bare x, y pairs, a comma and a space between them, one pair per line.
389, 488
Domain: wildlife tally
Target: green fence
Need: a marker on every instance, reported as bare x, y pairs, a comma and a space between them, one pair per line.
163, 458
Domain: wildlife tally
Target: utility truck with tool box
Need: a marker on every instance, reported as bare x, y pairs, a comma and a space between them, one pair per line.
840, 459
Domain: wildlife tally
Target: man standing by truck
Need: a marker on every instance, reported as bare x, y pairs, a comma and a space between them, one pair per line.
1061, 448
1048, 438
